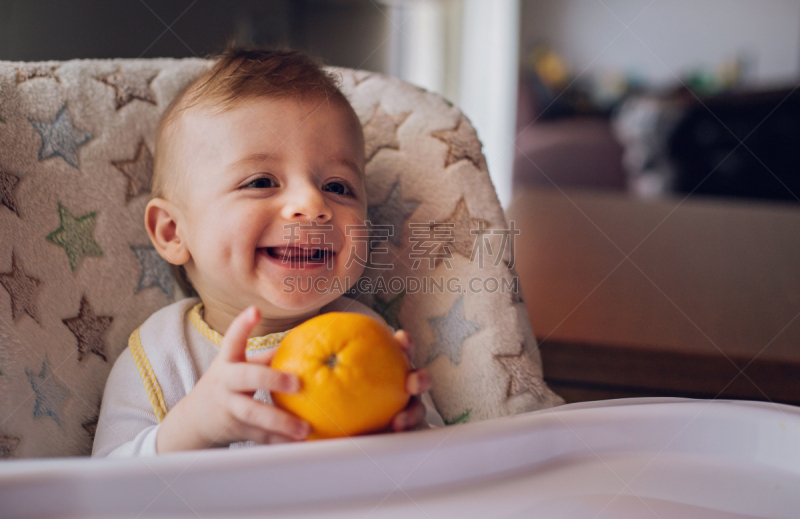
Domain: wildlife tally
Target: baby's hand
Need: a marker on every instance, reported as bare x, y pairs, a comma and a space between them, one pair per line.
221, 410
417, 382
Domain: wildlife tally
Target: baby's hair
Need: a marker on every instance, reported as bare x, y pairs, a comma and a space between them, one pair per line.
238, 74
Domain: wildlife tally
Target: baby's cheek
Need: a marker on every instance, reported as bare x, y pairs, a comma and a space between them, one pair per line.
357, 254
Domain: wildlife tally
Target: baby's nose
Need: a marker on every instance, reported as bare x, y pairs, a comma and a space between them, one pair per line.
309, 204
321, 216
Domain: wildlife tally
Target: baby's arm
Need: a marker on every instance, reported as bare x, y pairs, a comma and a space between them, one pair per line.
127, 425
220, 409
217, 411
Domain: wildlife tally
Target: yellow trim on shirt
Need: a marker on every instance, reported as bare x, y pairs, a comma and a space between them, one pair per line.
148, 377
253, 343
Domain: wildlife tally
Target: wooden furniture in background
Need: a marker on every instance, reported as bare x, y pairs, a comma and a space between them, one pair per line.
644, 298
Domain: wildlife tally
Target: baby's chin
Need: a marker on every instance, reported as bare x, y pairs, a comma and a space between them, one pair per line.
290, 303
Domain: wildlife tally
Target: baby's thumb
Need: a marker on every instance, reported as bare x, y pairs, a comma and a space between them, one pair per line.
234, 342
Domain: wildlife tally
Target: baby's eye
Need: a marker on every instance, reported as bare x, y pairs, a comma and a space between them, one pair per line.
339, 188
262, 183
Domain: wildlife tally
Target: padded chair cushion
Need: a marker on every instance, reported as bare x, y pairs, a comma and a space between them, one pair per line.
78, 273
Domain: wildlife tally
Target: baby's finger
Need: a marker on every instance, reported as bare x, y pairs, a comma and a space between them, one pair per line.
418, 381
410, 417
234, 341
259, 435
263, 358
406, 342
249, 377
266, 417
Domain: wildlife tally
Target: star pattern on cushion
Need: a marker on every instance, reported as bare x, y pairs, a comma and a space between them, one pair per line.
61, 138
462, 418
7, 183
463, 223
21, 287
462, 143
75, 235
523, 375
390, 310
138, 171
90, 426
36, 71
359, 76
50, 394
516, 295
381, 132
89, 329
393, 211
155, 271
8, 444
451, 330
131, 85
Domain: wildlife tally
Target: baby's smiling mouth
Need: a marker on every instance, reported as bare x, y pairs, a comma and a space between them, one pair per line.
299, 254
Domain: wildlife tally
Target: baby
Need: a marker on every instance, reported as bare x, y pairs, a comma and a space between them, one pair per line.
258, 180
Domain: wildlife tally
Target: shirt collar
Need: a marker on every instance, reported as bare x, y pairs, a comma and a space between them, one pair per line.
253, 343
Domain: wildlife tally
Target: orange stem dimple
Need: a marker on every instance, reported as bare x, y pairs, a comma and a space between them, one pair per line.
331, 361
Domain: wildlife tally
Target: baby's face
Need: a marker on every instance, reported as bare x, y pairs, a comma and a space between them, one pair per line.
270, 189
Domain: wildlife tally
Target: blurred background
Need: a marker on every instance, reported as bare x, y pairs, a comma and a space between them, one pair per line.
647, 150
604, 94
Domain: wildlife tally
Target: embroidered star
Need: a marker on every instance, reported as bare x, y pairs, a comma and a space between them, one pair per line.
462, 418
516, 293
360, 76
89, 329
451, 330
155, 271
463, 241
90, 426
391, 310
523, 375
8, 444
7, 198
381, 132
131, 85
61, 138
462, 143
21, 287
50, 394
138, 170
75, 235
33, 71
394, 211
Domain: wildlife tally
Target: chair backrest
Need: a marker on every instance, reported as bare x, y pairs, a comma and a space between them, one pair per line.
78, 273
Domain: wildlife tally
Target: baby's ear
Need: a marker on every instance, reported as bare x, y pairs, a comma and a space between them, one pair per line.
161, 219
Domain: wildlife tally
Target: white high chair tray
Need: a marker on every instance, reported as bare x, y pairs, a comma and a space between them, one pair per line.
661, 458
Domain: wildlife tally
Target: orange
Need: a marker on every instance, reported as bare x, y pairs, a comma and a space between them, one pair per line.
352, 373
